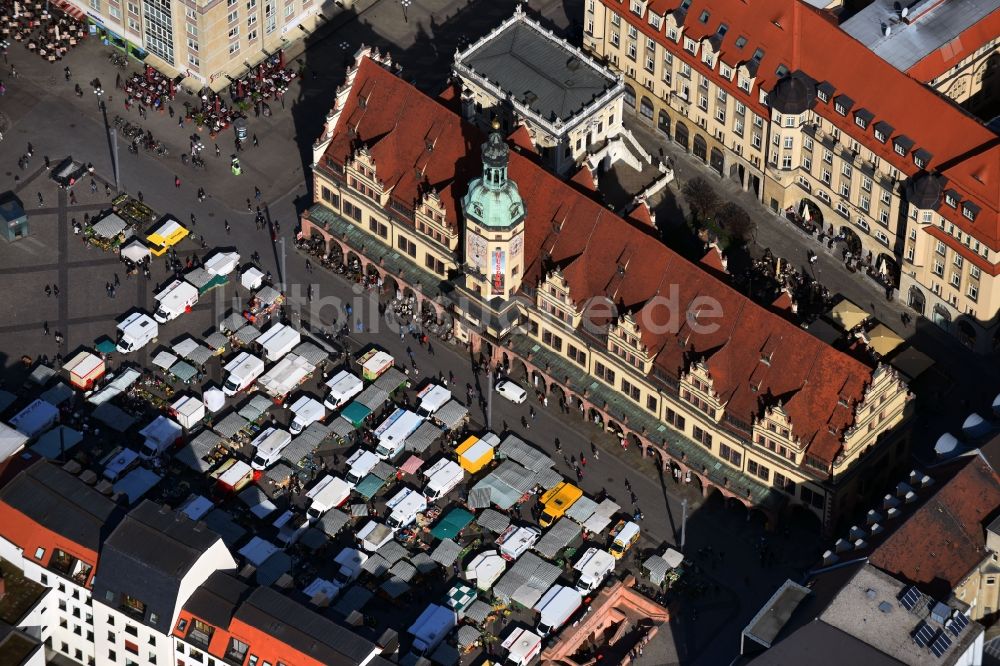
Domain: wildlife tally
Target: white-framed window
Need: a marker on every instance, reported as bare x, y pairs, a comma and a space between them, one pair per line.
826, 176
192, 45
973, 292
885, 196
234, 47
938, 267
840, 108
726, 71
846, 169
654, 21
189, 12
789, 142
927, 216
95, 5
133, 25
672, 33
252, 35
900, 150
744, 84
786, 161
233, 16
827, 156
951, 200
941, 248
720, 113
790, 121
956, 279
865, 204
192, 29
974, 272
755, 140
879, 136
807, 163
251, 20
866, 183
738, 126
740, 108
134, 9
968, 213
881, 237
193, 60
632, 32
845, 188
860, 122
615, 41
685, 70
883, 217
843, 210
234, 32
114, 12
616, 20
690, 45
636, 7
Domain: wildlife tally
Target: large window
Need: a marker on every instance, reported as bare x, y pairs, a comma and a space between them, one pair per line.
159, 30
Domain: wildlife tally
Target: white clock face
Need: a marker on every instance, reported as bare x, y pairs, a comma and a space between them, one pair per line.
477, 250
517, 245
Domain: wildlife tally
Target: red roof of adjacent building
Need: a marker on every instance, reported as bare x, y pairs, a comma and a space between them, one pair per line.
945, 539
949, 54
755, 357
793, 35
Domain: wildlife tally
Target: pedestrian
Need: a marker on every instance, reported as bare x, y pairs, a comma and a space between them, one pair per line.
180, 121
117, 281
255, 142
13, 71
558, 446
93, 186
193, 222
583, 460
250, 206
309, 266
45, 328
55, 290
59, 338
524, 423
40, 199
177, 181
48, 290
531, 413
107, 190
226, 224
47, 163
139, 196
256, 192
72, 198
170, 110
218, 152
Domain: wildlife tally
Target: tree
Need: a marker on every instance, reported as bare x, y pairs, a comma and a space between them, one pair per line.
700, 197
736, 222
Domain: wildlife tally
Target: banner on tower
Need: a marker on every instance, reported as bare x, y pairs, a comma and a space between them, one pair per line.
498, 268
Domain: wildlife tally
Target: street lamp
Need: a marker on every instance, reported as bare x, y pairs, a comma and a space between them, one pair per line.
99, 91
406, 5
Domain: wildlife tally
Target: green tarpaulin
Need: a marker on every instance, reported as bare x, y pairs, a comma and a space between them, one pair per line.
105, 346
452, 524
368, 486
356, 413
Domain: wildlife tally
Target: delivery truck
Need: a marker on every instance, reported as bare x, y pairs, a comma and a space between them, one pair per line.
555, 607
393, 432
432, 398
431, 627
593, 567
374, 535
474, 454
522, 646
358, 466
268, 446
349, 562
328, 494
556, 500
375, 363
176, 298
241, 373
278, 340
403, 508
136, 331
285, 376
159, 437
442, 477
516, 540
343, 386
305, 411
623, 536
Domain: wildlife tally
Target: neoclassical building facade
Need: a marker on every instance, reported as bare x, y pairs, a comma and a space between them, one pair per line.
907, 179
594, 311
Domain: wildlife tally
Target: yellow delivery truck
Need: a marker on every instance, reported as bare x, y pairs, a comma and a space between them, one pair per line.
556, 500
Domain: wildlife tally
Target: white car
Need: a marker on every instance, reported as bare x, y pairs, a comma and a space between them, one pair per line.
512, 391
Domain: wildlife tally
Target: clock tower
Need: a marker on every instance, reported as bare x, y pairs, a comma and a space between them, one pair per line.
494, 227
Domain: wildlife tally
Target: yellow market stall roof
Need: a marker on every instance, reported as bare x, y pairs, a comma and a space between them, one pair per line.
847, 315
882, 340
166, 235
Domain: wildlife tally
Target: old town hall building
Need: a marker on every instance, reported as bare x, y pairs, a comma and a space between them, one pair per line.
593, 309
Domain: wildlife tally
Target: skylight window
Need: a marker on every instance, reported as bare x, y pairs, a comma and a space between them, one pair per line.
704, 17
741, 41
758, 55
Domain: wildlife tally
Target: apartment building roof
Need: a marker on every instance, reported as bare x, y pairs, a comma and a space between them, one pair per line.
146, 558
216, 601
54, 504
534, 67
756, 358
776, 38
944, 539
938, 28
280, 621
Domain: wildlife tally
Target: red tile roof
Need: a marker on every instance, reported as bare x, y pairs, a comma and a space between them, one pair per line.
948, 55
602, 255
799, 37
945, 538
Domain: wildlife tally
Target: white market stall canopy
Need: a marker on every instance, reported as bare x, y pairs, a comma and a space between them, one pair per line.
135, 251
222, 263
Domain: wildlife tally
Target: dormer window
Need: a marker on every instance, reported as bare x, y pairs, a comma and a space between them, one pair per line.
781, 72
862, 117
951, 198
842, 104
726, 71
654, 20
758, 55
840, 109
744, 84
636, 7
723, 29
690, 45
879, 136
921, 158
970, 210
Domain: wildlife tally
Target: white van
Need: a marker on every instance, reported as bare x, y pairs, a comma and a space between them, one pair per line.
431, 627
268, 446
136, 331
160, 435
432, 398
512, 391
555, 607
343, 386
332, 492
393, 432
594, 566
177, 298
307, 410
278, 341
358, 466
118, 463
522, 646
442, 477
403, 508
349, 561
516, 540
242, 372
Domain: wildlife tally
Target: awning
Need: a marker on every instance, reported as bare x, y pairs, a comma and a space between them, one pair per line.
368, 486
847, 315
231, 424
311, 352
493, 520
255, 407
183, 371
452, 524
451, 414
412, 465
975, 425
559, 536
911, 362
113, 417
373, 397
423, 437
656, 569
53, 444
247, 334
135, 251
355, 413
109, 226
184, 347
164, 360
390, 380
882, 340
12, 441
446, 552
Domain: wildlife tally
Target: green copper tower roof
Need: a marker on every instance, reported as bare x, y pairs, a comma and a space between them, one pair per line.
493, 200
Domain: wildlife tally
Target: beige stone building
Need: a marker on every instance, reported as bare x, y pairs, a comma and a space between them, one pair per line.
908, 181
202, 41
595, 312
